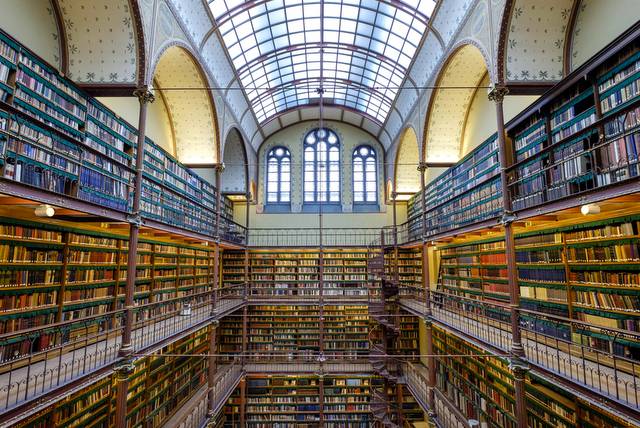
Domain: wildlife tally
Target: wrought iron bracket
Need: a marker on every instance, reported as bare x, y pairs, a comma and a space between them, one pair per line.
518, 366
508, 218
124, 368
135, 218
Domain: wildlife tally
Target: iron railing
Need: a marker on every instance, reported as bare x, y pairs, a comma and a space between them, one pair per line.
556, 344
310, 237
36, 361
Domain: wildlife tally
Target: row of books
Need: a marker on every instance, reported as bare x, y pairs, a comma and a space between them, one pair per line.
54, 101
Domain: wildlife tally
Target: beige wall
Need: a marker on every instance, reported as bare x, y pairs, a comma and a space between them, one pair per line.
158, 122
589, 33
32, 23
481, 119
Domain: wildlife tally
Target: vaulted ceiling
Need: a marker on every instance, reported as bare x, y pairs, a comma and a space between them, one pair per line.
356, 52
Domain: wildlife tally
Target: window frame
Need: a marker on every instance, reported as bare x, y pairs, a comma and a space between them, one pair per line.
279, 160
316, 169
356, 155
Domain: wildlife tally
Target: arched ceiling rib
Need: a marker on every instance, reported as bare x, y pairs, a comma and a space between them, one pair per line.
190, 108
449, 104
273, 46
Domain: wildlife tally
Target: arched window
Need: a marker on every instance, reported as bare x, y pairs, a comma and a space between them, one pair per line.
278, 176
365, 175
321, 166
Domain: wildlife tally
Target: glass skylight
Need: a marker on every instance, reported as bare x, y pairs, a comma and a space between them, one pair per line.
276, 46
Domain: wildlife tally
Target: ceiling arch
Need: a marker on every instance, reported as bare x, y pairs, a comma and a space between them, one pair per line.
234, 176
449, 104
105, 41
533, 40
366, 50
179, 81
407, 176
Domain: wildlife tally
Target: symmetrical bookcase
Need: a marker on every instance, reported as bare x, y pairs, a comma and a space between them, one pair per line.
294, 273
297, 401
586, 271
582, 135
158, 386
287, 332
56, 138
482, 389
52, 273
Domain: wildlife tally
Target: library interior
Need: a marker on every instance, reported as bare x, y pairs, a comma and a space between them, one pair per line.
320, 213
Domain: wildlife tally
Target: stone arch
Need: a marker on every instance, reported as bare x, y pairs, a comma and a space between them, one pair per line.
406, 174
532, 40
235, 175
180, 82
449, 105
105, 41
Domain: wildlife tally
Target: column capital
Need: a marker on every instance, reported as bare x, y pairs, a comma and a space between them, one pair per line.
124, 368
422, 166
219, 166
145, 96
518, 367
497, 93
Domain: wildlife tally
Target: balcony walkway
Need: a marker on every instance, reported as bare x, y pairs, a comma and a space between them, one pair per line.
618, 381
33, 376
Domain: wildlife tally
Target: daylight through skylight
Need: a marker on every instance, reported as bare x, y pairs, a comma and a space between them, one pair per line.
275, 47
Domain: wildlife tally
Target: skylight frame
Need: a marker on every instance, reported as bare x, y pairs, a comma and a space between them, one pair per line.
275, 48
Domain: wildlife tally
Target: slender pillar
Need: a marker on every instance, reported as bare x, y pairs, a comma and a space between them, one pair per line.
245, 310
426, 278
212, 369
145, 97
243, 401
431, 367
517, 361
216, 237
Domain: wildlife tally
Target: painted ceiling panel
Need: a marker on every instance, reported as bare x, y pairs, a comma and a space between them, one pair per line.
449, 17
365, 48
195, 17
536, 40
449, 106
214, 56
101, 41
189, 107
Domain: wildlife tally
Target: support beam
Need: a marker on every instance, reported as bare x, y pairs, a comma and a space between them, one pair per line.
517, 362
145, 97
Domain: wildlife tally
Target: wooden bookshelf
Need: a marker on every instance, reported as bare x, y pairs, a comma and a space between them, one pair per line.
581, 137
294, 273
56, 138
482, 389
585, 271
52, 273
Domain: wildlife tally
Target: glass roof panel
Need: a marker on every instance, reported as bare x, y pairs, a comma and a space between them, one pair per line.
357, 51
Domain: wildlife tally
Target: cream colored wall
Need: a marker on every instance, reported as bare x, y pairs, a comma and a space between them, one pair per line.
481, 119
310, 220
158, 122
32, 23
598, 22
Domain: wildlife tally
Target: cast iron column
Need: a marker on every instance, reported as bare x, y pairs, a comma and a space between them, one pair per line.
517, 363
125, 368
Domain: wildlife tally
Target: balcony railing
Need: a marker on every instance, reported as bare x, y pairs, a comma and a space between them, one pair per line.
447, 415
36, 361
551, 342
310, 237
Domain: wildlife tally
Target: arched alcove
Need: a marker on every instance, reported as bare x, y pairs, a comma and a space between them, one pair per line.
446, 117
181, 86
407, 176
234, 176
